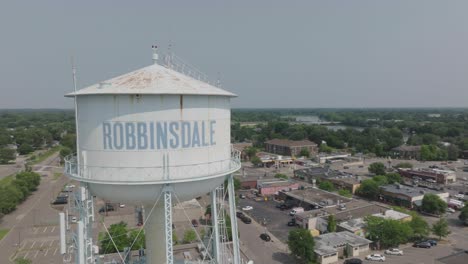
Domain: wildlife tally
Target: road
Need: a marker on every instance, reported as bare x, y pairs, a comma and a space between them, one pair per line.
34, 230
258, 250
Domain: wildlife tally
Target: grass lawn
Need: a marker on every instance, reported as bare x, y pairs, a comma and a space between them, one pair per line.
5, 181
3, 233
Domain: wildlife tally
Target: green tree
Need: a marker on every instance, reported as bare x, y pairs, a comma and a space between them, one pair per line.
420, 227
281, 176
369, 189
6, 155
345, 193
251, 152
331, 227
119, 234
256, 161
453, 152
25, 149
433, 204
378, 168
189, 236
464, 214
441, 228
175, 240
393, 178
404, 165
137, 238
380, 180
388, 232
65, 151
325, 148
301, 244
326, 186
304, 153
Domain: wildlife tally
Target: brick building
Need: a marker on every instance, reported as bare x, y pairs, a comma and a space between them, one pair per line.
290, 147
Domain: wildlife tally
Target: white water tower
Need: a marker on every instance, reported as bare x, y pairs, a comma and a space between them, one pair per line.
149, 134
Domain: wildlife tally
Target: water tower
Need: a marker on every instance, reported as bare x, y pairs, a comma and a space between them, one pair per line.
152, 137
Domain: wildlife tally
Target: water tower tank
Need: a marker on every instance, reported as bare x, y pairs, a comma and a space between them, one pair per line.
150, 128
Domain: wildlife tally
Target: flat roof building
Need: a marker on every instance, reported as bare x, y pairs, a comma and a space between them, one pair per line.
439, 176
290, 147
331, 246
403, 195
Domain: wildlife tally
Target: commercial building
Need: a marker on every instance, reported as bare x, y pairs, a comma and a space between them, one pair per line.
356, 226
436, 175
406, 196
407, 152
323, 158
272, 187
329, 247
290, 147
339, 179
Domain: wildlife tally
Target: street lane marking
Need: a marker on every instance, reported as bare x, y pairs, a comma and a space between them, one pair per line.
37, 252
55, 251
45, 254
53, 228
34, 242
45, 229
42, 244
25, 256
35, 230
51, 242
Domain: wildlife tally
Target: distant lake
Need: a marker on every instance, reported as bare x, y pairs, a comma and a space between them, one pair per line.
315, 120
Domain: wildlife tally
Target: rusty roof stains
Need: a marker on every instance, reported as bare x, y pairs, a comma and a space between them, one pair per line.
153, 79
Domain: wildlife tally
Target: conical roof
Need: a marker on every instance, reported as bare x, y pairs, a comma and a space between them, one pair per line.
153, 79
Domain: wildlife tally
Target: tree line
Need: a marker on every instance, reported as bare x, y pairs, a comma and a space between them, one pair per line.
15, 190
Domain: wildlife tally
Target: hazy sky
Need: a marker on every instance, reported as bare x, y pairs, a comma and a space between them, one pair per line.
271, 53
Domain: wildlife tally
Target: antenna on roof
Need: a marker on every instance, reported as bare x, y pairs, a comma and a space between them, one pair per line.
155, 54
168, 56
76, 109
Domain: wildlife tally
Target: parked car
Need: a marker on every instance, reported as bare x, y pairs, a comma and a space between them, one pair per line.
60, 200
450, 210
296, 210
194, 222
353, 261
376, 257
394, 251
423, 244
265, 237
245, 219
291, 223
432, 242
459, 196
242, 196
73, 219
247, 208
239, 214
107, 207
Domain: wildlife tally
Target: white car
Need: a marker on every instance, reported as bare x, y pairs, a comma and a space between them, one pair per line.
459, 196
121, 205
376, 257
74, 219
394, 251
247, 208
450, 210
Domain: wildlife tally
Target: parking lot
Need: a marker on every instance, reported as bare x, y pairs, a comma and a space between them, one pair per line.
266, 212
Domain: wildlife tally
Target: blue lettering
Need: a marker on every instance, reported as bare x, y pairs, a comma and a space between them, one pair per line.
196, 135
204, 142
174, 142
107, 137
130, 140
161, 135
142, 137
151, 135
118, 135
185, 134
212, 132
